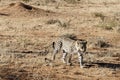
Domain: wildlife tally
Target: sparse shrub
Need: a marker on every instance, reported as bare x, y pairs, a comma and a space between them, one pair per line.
50, 1
98, 42
72, 1
106, 26
64, 24
102, 44
51, 21
108, 22
100, 15
60, 23
26, 1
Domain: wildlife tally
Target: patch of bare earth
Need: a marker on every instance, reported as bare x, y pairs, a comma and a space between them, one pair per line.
26, 34
19, 9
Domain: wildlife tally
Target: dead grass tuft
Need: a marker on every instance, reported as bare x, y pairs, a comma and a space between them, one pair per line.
52, 21
60, 23
100, 15
102, 44
72, 1
26, 0
108, 22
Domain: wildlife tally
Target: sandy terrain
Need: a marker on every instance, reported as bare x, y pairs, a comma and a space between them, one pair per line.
28, 27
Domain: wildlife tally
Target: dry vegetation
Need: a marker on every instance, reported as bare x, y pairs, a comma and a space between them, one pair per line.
28, 28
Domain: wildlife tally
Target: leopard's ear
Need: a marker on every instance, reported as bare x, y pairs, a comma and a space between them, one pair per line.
81, 41
85, 42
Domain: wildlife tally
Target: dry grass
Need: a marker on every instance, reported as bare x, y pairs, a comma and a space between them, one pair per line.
60, 23
26, 36
100, 15
26, 1
108, 22
71, 1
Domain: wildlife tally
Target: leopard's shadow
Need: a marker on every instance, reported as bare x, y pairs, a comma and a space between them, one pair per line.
103, 64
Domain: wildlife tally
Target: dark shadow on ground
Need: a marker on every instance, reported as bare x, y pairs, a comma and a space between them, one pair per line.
103, 64
3, 14
108, 65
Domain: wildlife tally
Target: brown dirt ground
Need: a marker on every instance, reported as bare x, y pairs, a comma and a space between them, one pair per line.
26, 28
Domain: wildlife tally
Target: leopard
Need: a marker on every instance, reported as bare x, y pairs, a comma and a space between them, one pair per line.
69, 47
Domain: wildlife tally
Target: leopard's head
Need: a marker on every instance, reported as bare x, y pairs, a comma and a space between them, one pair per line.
81, 45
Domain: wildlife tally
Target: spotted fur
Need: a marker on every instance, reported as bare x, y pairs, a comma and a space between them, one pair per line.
69, 47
